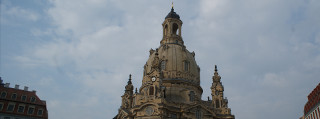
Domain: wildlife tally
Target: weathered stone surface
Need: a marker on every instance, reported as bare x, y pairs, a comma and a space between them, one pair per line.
171, 84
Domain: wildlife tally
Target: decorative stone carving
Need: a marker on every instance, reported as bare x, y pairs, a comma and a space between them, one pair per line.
169, 95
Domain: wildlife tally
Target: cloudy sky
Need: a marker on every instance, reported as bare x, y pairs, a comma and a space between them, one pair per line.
78, 54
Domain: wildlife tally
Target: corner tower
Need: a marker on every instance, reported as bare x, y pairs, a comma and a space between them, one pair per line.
171, 82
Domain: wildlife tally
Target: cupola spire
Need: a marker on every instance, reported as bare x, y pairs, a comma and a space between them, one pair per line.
172, 14
129, 82
129, 86
172, 29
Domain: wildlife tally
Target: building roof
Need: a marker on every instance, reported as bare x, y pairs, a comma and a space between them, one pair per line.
313, 99
173, 14
21, 97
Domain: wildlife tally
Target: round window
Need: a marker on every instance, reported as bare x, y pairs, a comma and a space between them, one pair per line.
149, 111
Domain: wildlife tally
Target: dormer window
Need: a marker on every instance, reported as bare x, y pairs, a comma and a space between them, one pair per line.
40, 112
23, 98
32, 99
14, 96
3, 94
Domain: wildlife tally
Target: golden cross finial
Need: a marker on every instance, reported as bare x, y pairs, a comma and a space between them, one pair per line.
172, 5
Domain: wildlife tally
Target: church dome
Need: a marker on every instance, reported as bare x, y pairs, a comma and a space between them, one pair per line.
171, 83
176, 63
172, 58
172, 65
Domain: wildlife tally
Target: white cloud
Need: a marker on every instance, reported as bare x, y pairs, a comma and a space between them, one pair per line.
274, 80
266, 56
17, 13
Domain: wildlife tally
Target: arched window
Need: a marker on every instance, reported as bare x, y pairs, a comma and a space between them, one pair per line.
217, 103
165, 30
198, 114
134, 101
32, 99
175, 28
186, 66
191, 96
174, 116
151, 90
3, 94
163, 65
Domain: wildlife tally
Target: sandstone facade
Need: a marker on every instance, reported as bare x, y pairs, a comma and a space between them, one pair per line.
171, 83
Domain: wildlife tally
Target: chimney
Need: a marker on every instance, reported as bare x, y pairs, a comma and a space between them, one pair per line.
1, 81
7, 85
34, 91
26, 88
16, 86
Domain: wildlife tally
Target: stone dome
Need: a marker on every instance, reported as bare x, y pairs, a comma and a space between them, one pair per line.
172, 66
173, 14
176, 63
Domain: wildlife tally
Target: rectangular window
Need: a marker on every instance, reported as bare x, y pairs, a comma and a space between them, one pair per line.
21, 109
191, 96
316, 113
198, 114
186, 66
134, 101
173, 116
1, 106
217, 103
312, 116
10, 107
163, 65
31, 109
40, 112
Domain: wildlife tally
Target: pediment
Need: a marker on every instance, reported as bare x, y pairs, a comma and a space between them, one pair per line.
123, 113
195, 107
147, 109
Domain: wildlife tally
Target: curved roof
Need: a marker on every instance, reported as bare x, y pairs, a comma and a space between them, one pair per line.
173, 14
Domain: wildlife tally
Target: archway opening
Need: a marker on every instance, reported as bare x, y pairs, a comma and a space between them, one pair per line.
151, 90
175, 28
165, 29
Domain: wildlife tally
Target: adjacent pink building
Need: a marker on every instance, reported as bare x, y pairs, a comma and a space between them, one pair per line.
312, 108
16, 103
